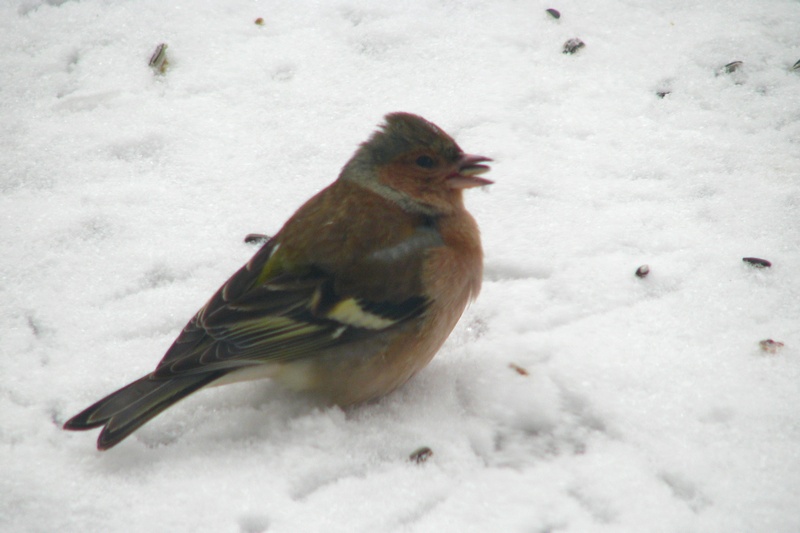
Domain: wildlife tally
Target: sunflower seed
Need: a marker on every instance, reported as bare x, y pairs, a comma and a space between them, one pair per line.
158, 61
420, 455
256, 238
732, 67
554, 13
518, 369
642, 271
770, 346
757, 262
573, 45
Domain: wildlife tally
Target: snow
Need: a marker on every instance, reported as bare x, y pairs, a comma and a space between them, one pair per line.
648, 404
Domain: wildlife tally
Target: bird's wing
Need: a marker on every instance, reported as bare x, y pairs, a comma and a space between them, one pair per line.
264, 314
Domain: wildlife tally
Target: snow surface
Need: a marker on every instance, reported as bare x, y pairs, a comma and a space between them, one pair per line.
647, 405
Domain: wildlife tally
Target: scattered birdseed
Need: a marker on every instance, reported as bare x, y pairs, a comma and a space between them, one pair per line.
554, 13
642, 271
256, 238
770, 346
519, 370
260, 21
757, 262
158, 61
573, 45
420, 455
732, 67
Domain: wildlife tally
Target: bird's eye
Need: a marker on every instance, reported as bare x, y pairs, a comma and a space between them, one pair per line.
425, 161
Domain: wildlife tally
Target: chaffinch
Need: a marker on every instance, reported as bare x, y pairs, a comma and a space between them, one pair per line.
353, 296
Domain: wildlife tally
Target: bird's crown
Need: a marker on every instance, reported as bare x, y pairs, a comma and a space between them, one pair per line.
402, 132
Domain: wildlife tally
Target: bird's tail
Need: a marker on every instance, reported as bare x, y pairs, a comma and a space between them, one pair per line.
126, 410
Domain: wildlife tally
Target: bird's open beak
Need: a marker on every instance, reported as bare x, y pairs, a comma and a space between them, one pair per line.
469, 169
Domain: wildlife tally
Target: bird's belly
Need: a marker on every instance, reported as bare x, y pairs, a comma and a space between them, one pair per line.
362, 371
341, 376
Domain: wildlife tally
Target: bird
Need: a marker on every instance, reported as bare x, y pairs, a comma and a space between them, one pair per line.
348, 300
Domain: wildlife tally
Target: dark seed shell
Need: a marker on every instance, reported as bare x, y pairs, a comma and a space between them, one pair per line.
420, 455
256, 238
642, 271
573, 45
158, 61
554, 13
518, 369
757, 262
770, 346
733, 66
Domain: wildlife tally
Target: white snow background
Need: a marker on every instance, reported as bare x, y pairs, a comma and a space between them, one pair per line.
648, 403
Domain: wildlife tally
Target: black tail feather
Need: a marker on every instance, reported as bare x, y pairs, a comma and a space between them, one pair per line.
126, 410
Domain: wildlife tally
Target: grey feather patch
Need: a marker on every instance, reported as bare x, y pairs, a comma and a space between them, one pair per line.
423, 238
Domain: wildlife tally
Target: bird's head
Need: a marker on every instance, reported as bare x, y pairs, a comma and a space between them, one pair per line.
415, 163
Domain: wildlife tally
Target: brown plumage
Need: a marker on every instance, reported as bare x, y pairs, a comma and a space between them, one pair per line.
354, 295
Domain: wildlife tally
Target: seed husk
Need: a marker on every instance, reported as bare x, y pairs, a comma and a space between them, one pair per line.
573, 45
757, 262
420, 455
518, 369
554, 13
256, 238
732, 67
158, 61
770, 346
